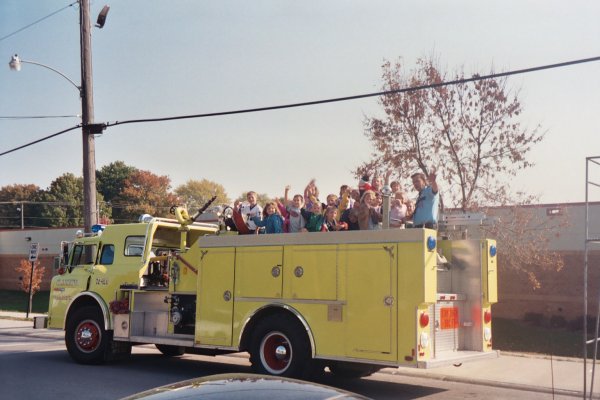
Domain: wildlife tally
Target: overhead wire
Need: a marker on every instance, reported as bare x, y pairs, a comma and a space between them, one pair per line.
40, 140
360, 96
474, 78
37, 21
13, 117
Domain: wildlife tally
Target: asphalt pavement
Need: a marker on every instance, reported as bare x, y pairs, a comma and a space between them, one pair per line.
538, 373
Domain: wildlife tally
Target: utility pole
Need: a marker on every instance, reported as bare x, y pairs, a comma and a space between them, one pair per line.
87, 112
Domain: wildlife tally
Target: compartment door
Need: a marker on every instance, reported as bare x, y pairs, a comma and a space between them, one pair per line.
371, 310
258, 272
214, 311
310, 272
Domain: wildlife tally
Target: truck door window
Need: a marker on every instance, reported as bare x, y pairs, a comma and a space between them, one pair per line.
81, 253
134, 246
108, 254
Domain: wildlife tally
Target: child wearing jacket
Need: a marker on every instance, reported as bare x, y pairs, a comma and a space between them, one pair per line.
272, 220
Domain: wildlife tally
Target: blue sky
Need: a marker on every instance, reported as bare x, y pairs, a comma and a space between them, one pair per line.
163, 58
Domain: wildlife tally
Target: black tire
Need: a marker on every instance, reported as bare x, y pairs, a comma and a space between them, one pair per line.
352, 370
170, 351
280, 347
86, 339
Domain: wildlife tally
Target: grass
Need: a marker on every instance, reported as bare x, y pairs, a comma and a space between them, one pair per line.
16, 300
508, 335
524, 337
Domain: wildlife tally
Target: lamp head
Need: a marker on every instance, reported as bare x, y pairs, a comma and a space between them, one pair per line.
102, 17
15, 63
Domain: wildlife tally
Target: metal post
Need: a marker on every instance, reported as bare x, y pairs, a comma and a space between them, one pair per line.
386, 192
90, 216
30, 291
22, 219
585, 282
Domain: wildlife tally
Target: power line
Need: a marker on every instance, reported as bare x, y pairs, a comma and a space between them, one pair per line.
474, 78
13, 117
40, 140
361, 96
36, 22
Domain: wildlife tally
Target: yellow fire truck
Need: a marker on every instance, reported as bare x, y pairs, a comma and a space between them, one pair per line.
353, 301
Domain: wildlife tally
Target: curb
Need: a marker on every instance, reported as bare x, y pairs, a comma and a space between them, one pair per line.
8, 317
483, 382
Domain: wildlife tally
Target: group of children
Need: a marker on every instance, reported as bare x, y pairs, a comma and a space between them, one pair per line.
352, 209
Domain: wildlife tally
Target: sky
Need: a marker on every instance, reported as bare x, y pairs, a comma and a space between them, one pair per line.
158, 58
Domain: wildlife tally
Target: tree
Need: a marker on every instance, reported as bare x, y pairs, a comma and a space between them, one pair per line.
110, 179
10, 213
524, 239
24, 271
471, 133
64, 199
194, 194
61, 205
144, 193
469, 130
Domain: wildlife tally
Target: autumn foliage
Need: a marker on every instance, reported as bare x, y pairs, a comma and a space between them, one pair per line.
470, 131
472, 134
24, 271
145, 193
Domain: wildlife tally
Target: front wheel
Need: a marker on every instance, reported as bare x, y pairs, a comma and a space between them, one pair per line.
86, 339
280, 347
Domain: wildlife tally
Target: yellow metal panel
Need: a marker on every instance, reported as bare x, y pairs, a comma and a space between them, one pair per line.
187, 268
489, 272
310, 272
258, 271
329, 336
63, 289
417, 287
370, 315
214, 311
424, 338
429, 269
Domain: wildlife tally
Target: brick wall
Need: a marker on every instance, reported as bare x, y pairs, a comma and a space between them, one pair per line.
9, 278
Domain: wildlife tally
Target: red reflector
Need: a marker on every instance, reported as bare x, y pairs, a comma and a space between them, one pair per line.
424, 319
487, 317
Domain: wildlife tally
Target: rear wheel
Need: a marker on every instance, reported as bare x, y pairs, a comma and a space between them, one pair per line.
86, 339
280, 347
171, 351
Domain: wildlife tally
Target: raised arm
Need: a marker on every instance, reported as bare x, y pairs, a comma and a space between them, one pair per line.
432, 180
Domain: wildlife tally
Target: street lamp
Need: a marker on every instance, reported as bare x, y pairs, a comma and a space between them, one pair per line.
16, 61
88, 128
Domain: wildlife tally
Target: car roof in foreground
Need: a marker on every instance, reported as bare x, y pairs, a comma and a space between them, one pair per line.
244, 387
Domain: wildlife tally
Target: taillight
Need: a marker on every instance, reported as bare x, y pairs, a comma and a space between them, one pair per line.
487, 316
424, 319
